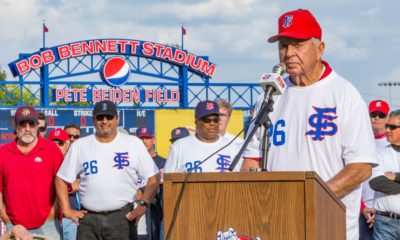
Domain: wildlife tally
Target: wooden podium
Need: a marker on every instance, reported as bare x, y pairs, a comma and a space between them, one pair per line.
268, 205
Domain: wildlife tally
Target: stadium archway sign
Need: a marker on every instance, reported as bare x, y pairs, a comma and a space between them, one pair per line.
112, 46
121, 63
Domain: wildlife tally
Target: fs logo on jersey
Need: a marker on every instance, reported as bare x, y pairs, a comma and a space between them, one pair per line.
322, 123
121, 160
287, 21
116, 71
223, 162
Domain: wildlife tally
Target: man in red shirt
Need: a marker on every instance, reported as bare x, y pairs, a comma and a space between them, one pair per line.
28, 166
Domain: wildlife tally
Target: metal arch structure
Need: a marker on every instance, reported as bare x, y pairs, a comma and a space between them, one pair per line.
157, 71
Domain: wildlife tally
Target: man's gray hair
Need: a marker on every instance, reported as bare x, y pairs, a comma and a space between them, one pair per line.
395, 113
316, 41
222, 103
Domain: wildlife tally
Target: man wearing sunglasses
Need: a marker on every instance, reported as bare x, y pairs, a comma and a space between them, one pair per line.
387, 203
28, 167
108, 164
187, 154
69, 228
60, 137
378, 113
74, 132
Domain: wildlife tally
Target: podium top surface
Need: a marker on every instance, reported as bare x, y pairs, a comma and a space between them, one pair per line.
250, 177
242, 176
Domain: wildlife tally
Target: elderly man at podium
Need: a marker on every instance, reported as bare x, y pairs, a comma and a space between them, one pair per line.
320, 123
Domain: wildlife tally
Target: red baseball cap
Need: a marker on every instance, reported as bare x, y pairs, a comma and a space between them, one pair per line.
379, 106
58, 134
299, 24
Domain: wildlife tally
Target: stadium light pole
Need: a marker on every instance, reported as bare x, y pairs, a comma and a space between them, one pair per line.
389, 84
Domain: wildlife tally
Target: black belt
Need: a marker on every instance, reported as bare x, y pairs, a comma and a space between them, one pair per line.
389, 214
107, 212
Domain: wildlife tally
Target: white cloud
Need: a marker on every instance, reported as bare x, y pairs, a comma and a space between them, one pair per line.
339, 48
229, 10
371, 12
232, 33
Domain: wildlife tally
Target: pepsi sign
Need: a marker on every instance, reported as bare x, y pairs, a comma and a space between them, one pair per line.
115, 71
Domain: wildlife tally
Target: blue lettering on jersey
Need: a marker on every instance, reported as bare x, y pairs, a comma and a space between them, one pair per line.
223, 161
121, 160
277, 133
139, 179
193, 166
323, 124
90, 167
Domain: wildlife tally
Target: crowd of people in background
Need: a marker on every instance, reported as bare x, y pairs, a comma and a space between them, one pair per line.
83, 172
379, 215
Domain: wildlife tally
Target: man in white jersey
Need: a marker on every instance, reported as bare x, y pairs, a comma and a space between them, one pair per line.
378, 113
187, 153
225, 112
321, 122
387, 198
108, 164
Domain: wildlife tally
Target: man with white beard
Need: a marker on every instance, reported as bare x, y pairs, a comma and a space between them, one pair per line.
28, 167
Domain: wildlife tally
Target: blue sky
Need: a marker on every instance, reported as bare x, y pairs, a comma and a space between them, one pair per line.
362, 37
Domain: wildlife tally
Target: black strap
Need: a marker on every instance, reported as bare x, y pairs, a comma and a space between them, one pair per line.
107, 212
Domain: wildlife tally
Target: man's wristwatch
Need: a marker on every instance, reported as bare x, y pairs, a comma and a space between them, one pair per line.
144, 203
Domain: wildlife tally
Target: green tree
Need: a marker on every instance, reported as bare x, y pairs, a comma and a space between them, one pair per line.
74, 103
10, 92
3, 75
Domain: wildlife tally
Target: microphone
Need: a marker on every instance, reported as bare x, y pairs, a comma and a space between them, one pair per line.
273, 82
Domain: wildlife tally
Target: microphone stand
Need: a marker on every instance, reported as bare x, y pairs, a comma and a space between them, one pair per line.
262, 119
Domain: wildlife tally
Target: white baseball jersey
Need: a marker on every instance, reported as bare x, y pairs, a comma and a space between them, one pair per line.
381, 141
230, 136
188, 152
108, 171
321, 127
390, 160
368, 194
142, 225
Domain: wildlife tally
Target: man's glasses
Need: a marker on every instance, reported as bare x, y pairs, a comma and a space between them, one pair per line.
24, 123
60, 143
391, 126
42, 129
377, 114
74, 136
102, 116
208, 120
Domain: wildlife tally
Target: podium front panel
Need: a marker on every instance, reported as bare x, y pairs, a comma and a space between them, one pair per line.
273, 205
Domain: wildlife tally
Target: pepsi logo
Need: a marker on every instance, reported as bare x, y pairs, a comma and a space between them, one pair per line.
116, 71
